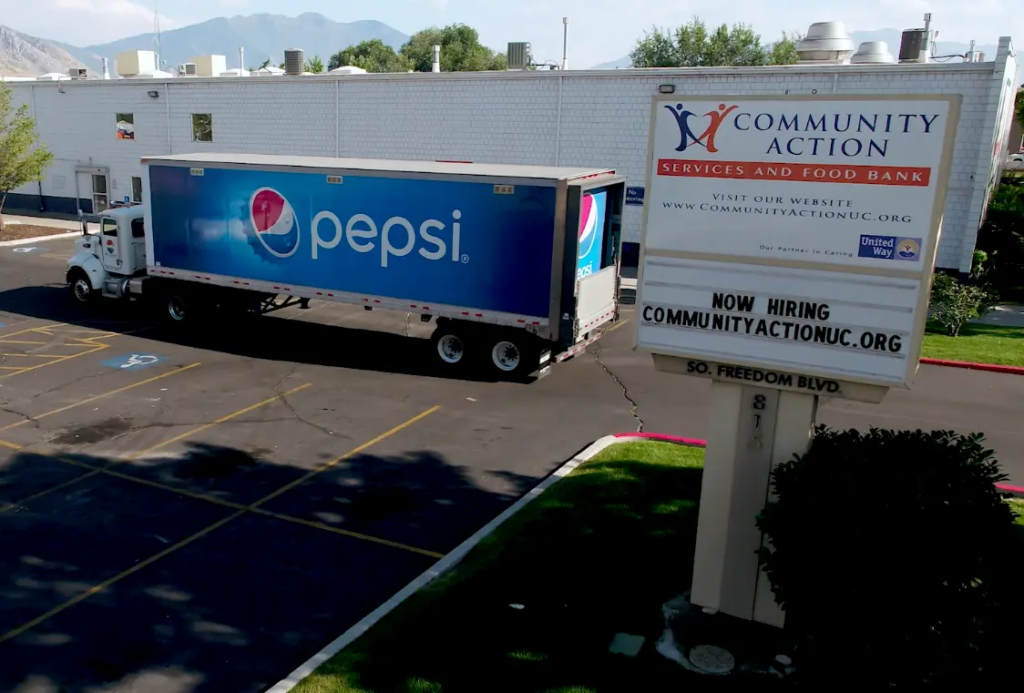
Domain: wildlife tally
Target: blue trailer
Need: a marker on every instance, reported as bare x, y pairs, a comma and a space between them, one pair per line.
516, 265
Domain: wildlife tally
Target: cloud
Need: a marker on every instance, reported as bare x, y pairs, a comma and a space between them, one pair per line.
83, 22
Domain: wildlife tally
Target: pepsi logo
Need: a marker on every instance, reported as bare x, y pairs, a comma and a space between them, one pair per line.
588, 226
274, 222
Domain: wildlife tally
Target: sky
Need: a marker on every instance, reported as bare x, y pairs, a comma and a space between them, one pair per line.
599, 30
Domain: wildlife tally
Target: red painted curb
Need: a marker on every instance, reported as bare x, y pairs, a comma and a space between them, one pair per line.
665, 438
990, 367
1016, 491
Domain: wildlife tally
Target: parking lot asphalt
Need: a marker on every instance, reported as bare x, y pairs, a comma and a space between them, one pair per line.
203, 511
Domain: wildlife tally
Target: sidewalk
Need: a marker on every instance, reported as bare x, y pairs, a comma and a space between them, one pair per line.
1004, 316
59, 224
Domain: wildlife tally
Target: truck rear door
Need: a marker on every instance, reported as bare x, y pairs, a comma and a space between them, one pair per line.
596, 214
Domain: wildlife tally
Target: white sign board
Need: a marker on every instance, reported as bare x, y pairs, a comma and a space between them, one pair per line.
794, 233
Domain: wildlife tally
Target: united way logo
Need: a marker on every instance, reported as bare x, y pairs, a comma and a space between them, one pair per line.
274, 222
588, 226
908, 249
689, 122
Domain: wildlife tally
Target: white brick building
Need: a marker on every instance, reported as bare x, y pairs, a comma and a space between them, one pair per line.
585, 118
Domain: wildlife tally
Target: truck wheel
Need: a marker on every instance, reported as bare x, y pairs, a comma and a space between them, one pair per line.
513, 356
176, 308
450, 346
80, 286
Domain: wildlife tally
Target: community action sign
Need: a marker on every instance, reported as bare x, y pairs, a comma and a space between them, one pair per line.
794, 233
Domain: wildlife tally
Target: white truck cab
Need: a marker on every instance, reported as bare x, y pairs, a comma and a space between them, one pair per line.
110, 253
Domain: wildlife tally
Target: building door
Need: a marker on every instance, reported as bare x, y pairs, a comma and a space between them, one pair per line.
100, 197
92, 188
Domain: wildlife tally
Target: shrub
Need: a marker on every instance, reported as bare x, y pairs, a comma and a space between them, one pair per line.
953, 304
889, 558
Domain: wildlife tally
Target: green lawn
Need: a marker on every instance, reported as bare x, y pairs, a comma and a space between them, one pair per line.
597, 553
993, 344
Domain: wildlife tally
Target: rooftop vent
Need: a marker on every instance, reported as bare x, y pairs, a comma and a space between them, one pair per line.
873, 53
826, 42
294, 59
78, 73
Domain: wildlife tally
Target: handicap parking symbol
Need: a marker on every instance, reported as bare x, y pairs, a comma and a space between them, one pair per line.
132, 361
31, 249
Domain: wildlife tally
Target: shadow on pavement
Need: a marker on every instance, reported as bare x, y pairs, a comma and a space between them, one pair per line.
266, 337
173, 605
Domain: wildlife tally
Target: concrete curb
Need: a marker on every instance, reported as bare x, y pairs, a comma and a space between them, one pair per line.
1005, 489
990, 367
442, 566
40, 239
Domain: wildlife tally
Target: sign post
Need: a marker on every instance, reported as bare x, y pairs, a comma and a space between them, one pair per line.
787, 250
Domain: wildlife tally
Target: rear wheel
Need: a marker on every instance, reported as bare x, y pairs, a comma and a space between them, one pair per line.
80, 286
513, 355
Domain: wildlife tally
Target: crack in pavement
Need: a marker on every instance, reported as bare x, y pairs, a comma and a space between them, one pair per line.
301, 419
634, 408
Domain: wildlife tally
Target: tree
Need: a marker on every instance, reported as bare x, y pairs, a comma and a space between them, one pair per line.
314, 65
694, 45
372, 56
22, 158
783, 51
1018, 105
461, 50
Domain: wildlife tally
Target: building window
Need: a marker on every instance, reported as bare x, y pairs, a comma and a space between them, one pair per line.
126, 126
136, 189
202, 127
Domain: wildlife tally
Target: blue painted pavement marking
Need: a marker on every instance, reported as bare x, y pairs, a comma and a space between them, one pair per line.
132, 361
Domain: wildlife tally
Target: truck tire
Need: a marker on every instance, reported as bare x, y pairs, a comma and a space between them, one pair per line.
451, 346
512, 355
177, 308
80, 286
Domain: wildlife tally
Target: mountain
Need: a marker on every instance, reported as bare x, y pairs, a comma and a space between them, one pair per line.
890, 36
24, 55
262, 35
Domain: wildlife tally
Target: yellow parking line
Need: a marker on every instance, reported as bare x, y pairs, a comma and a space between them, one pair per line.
100, 470
350, 453
31, 329
4, 340
223, 419
37, 356
101, 396
11, 368
26, 369
99, 587
8, 444
616, 326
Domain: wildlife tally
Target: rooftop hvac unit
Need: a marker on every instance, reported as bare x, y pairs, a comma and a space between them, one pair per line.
188, 69
914, 46
519, 57
78, 73
873, 53
131, 63
294, 60
210, 65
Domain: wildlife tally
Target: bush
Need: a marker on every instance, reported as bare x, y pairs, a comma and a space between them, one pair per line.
889, 556
953, 304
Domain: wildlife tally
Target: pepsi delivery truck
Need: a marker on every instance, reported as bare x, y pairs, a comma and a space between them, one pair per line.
516, 265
